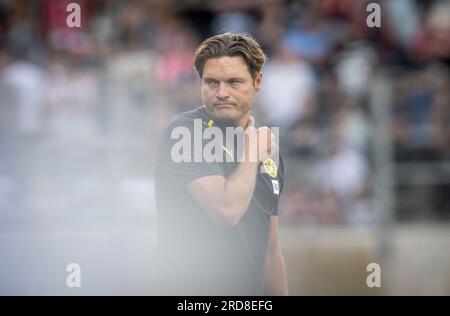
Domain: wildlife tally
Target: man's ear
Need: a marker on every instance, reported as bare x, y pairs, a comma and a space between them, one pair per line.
258, 82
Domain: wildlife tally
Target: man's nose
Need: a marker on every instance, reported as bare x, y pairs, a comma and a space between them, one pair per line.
222, 91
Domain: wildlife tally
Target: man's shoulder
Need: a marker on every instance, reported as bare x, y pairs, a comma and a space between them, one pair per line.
183, 120
186, 118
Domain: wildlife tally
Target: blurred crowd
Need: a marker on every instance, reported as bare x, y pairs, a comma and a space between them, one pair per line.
84, 106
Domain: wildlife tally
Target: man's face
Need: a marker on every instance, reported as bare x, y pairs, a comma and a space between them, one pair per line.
228, 89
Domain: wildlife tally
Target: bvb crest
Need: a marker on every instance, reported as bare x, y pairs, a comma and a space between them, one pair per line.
270, 167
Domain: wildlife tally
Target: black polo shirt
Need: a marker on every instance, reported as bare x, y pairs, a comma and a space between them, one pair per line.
196, 255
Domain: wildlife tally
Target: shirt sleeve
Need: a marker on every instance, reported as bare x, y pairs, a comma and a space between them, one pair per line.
181, 173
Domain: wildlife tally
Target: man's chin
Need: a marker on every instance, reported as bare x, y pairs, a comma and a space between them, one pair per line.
225, 116
225, 121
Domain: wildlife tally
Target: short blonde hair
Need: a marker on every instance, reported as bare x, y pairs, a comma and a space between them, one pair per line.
231, 44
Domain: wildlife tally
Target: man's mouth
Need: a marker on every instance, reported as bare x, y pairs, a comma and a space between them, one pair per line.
223, 105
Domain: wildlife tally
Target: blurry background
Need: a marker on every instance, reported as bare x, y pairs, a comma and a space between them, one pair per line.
363, 114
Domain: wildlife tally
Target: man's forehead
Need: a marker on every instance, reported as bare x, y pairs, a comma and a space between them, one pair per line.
227, 67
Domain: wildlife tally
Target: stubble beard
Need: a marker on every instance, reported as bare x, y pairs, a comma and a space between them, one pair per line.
223, 121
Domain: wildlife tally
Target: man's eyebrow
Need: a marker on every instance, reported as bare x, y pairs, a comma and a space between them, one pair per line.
226, 79
236, 78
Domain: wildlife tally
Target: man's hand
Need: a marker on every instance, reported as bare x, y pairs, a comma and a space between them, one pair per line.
260, 143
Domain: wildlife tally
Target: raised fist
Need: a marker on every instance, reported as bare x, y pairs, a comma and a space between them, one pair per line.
260, 142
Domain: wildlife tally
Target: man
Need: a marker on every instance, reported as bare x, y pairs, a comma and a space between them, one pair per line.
217, 221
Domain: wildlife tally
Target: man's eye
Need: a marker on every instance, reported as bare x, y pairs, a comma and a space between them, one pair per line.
211, 82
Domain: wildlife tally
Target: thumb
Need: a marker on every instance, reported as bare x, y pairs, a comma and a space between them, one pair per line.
250, 122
